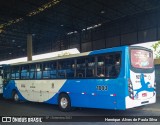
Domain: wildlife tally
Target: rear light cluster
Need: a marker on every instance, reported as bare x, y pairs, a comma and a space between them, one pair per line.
130, 89
154, 89
155, 86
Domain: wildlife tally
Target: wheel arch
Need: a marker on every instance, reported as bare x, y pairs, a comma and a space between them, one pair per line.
61, 94
13, 91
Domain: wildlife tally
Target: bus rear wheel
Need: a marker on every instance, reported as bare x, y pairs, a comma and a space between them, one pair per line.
64, 102
15, 96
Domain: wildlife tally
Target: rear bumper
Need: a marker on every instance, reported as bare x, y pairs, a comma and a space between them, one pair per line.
130, 103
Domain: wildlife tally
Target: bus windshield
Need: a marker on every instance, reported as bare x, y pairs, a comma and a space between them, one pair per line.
141, 59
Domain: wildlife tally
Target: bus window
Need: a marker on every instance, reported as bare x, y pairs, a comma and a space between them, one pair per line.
15, 72
100, 66
90, 69
32, 71
53, 72
109, 63
62, 69
141, 59
118, 63
12, 73
39, 71
24, 72
81, 68
70, 69
46, 70
112, 62
7, 74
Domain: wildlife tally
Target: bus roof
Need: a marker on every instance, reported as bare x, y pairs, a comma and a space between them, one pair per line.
53, 58
101, 51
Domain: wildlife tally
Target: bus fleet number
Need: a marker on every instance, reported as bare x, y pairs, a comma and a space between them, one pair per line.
102, 88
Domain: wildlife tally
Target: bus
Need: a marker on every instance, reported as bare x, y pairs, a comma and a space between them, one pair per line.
116, 78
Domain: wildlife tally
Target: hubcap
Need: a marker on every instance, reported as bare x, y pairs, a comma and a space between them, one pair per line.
64, 102
16, 97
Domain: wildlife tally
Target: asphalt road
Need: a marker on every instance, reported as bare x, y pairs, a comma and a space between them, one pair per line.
10, 108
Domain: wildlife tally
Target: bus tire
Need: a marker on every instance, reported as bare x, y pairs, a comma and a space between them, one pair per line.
64, 102
15, 96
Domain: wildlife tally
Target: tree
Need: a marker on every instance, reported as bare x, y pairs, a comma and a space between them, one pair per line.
156, 48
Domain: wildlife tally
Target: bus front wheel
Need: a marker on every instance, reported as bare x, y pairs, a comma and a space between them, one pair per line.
15, 96
64, 102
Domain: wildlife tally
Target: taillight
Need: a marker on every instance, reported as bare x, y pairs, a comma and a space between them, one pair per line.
130, 89
144, 94
155, 86
154, 89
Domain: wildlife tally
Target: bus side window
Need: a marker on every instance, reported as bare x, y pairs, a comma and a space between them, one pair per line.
53, 72
90, 67
38, 71
24, 72
118, 63
32, 71
7, 74
81, 68
109, 63
100, 66
46, 70
112, 65
15, 72
61, 69
69, 68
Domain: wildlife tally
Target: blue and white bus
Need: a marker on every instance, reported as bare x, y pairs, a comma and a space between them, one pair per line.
115, 78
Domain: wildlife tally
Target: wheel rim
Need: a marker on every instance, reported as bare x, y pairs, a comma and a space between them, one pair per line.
16, 97
64, 103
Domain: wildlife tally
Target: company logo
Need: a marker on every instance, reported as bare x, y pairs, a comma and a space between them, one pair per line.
23, 86
6, 119
32, 86
144, 86
21, 119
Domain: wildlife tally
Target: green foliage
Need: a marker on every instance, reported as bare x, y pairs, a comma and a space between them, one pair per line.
156, 47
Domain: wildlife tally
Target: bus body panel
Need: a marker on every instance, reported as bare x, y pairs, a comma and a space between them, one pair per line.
86, 93
143, 89
34, 90
83, 93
